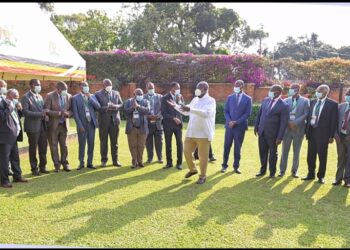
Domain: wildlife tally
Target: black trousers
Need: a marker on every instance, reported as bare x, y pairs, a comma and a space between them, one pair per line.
168, 133
156, 136
268, 151
195, 154
108, 128
316, 147
9, 153
38, 141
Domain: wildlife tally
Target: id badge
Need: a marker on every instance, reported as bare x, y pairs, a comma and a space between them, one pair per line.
136, 115
313, 120
292, 117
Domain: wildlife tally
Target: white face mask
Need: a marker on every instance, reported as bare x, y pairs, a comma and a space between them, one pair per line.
109, 88
139, 98
15, 101
37, 89
197, 92
151, 91
236, 89
3, 90
86, 89
64, 92
177, 92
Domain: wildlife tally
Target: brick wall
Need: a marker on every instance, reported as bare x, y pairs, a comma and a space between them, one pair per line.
219, 91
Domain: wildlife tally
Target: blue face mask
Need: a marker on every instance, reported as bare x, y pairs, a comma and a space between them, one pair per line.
347, 98
236, 90
86, 89
139, 98
37, 89
15, 101
291, 92
319, 95
271, 94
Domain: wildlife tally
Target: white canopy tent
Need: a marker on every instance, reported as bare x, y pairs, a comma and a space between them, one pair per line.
32, 47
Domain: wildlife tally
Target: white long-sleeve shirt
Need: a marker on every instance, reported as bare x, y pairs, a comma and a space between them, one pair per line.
202, 117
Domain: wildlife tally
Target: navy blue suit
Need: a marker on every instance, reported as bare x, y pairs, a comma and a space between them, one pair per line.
271, 124
78, 108
239, 113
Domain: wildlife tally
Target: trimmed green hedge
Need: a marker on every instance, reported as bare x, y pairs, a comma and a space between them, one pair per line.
220, 116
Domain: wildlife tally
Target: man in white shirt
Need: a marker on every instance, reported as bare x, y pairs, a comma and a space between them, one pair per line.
200, 130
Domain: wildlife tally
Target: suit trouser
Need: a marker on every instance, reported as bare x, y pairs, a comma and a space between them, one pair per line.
236, 136
297, 139
343, 168
320, 148
168, 134
136, 141
203, 152
88, 136
156, 136
59, 136
267, 150
37, 140
9, 153
108, 128
211, 155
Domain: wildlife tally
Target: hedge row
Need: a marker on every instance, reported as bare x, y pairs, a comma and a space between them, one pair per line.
220, 116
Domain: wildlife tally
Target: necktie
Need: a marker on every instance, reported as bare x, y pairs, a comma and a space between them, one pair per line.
237, 100
317, 108
346, 120
62, 102
39, 102
294, 104
87, 111
270, 105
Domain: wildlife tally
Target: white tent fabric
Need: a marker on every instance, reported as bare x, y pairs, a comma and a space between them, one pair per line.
32, 46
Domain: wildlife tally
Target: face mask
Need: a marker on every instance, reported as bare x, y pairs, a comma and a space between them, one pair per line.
197, 92
177, 92
291, 92
109, 88
347, 98
15, 101
319, 95
3, 90
236, 90
139, 98
37, 89
151, 91
86, 89
64, 92
271, 94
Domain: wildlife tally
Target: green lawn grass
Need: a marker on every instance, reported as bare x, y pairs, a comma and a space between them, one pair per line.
152, 207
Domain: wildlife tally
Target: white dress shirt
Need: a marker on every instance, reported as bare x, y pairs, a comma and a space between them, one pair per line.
202, 117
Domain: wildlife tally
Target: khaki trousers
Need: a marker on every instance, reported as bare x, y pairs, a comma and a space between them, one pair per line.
203, 152
137, 143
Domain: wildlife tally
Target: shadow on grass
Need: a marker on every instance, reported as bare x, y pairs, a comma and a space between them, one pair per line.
105, 221
278, 209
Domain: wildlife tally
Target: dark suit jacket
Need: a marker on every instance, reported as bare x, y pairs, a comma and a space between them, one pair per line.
143, 111
78, 109
104, 114
157, 108
8, 128
169, 113
53, 104
32, 112
327, 122
272, 123
239, 114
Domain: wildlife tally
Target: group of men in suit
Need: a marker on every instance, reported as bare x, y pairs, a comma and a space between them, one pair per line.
148, 115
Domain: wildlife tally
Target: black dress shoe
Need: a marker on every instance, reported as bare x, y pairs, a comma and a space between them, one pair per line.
201, 180
148, 161
272, 176
237, 171
80, 167
117, 164
20, 179
44, 171
168, 166
280, 174
212, 159
295, 175
66, 168
336, 183
321, 180
134, 165
160, 161
189, 174
103, 164
223, 169
307, 178
6, 185
179, 166
141, 165
347, 185
91, 166
260, 174
36, 173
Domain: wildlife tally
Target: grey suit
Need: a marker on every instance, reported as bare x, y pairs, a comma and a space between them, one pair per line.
81, 116
299, 115
155, 128
109, 121
36, 128
343, 147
